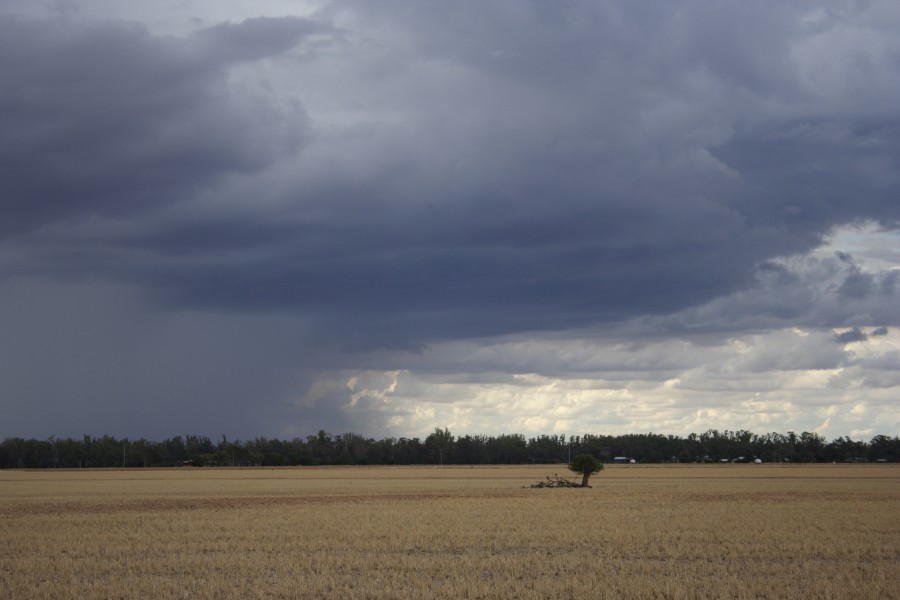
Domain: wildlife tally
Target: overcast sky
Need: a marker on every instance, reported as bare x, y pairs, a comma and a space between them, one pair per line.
579, 216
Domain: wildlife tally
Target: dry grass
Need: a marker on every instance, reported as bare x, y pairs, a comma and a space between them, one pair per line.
729, 531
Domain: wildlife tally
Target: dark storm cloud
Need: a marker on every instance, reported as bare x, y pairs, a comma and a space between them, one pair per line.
109, 119
562, 172
808, 176
572, 174
853, 335
241, 220
819, 292
252, 39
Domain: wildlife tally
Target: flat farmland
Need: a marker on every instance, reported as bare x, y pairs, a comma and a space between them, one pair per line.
642, 531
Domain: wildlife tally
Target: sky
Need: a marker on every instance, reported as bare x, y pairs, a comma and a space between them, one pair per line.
584, 216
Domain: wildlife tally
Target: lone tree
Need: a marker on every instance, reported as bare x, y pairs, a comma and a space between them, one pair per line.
587, 465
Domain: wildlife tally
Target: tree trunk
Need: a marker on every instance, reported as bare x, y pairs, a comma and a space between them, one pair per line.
584, 479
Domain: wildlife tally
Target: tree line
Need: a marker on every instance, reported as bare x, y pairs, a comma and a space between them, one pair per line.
440, 447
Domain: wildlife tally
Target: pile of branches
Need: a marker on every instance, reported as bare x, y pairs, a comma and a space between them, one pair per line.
555, 482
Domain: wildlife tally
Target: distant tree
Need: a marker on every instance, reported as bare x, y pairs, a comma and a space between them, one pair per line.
439, 444
587, 465
508, 449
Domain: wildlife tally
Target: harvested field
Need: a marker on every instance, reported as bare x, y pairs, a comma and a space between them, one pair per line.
643, 531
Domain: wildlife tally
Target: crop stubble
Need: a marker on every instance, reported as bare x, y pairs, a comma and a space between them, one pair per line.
718, 531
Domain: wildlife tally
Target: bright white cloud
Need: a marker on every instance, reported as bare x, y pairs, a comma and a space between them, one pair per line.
781, 379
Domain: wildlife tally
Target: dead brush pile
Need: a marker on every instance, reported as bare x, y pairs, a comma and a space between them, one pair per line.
555, 482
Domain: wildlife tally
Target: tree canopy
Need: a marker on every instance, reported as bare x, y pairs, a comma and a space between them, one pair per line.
586, 465
441, 447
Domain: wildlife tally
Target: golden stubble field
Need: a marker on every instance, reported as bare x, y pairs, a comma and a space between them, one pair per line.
679, 531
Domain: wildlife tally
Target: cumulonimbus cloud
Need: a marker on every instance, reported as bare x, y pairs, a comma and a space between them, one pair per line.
403, 179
